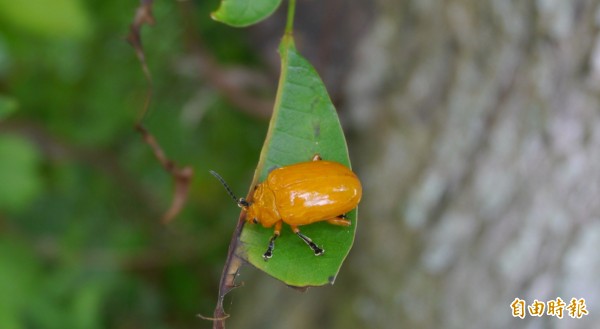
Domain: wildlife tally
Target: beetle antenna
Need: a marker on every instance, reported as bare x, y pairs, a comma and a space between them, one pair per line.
241, 201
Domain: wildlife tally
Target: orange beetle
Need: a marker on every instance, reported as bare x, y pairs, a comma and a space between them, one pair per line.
302, 194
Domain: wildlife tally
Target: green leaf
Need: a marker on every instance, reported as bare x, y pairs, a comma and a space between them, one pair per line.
304, 123
240, 13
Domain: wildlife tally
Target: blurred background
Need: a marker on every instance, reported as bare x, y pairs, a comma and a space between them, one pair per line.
474, 126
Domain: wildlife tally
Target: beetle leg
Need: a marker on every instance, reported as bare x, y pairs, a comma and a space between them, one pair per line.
340, 220
317, 157
269, 253
318, 251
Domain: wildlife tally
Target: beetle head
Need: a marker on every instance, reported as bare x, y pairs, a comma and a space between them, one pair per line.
251, 215
263, 208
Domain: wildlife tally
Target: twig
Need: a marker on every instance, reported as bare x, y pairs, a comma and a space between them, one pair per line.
230, 271
181, 176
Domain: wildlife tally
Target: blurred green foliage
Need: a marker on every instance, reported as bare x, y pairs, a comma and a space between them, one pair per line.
7, 106
81, 243
47, 18
20, 179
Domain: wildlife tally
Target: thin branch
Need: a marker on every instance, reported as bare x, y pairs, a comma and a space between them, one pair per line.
181, 176
231, 269
230, 273
289, 25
